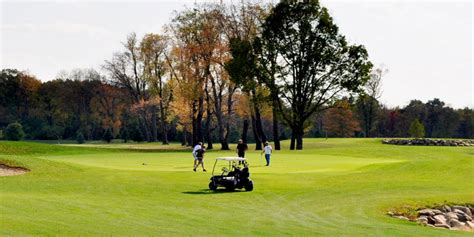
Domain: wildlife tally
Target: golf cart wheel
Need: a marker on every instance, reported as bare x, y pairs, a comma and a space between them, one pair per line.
212, 186
249, 186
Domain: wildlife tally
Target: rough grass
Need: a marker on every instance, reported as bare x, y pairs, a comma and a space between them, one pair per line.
335, 187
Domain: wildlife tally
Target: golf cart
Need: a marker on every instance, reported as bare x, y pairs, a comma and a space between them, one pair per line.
233, 175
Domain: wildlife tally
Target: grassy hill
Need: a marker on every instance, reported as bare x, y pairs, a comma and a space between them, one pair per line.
335, 187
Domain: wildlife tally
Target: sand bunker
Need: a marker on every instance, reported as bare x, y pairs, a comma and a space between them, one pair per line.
6, 170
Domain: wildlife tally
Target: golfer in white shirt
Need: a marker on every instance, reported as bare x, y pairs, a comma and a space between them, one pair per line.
268, 152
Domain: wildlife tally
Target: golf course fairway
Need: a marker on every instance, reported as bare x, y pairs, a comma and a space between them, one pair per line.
334, 187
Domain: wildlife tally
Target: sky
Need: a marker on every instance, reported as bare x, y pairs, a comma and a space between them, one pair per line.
426, 46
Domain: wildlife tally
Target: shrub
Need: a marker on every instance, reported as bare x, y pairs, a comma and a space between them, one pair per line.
108, 136
14, 132
80, 138
417, 130
138, 135
125, 135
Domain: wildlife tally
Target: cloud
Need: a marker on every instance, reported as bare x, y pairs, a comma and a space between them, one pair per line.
56, 27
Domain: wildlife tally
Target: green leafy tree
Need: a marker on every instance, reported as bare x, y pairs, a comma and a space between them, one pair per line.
125, 135
14, 132
315, 64
137, 135
80, 138
108, 136
417, 130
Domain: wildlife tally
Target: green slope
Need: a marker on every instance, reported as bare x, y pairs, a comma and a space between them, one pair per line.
335, 187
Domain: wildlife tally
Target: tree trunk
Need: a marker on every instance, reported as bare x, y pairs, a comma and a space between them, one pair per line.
299, 141
184, 139
292, 143
154, 128
244, 130
194, 138
200, 115
164, 125
258, 142
144, 126
258, 121
276, 135
225, 142
208, 128
298, 132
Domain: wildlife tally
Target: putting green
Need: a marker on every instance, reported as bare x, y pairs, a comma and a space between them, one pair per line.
180, 161
335, 187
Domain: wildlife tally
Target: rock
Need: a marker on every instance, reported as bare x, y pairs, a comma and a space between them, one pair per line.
451, 216
440, 219
429, 212
442, 226
422, 220
445, 208
469, 224
462, 216
428, 142
390, 213
455, 223
463, 209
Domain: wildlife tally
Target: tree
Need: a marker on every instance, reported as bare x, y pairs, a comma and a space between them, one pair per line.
466, 124
315, 62
124, 135
367, 103
137, 135
339, 120
417, 130
127, 71
14, 132
108, 136
202, 51
243, 26
54, 131
80, 138
154, 53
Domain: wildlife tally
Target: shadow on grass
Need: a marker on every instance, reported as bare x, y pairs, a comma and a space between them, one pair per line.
207, 191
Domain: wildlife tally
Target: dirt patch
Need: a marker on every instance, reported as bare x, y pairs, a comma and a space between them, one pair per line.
6, 170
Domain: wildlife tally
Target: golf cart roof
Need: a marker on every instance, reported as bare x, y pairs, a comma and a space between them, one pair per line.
231, 158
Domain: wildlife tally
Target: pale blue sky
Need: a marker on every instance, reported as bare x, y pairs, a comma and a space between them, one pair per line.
425, 45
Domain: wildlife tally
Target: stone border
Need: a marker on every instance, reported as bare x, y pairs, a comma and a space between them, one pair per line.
6, 170
429, 142
455, 217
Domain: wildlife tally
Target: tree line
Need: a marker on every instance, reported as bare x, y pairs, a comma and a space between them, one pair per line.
217, 71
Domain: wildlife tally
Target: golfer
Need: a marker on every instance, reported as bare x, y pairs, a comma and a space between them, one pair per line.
200, 158
241, 148
268, 152
196, 148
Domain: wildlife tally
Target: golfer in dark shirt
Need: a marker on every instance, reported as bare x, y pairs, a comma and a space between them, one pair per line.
241, 148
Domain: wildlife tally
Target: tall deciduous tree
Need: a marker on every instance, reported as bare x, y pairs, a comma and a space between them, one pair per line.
126, 70
244, 25
316, 64
339, 120
154, 50
367, 103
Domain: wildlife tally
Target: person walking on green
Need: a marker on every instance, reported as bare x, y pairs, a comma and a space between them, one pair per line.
241, 148
200, 158
268, 152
